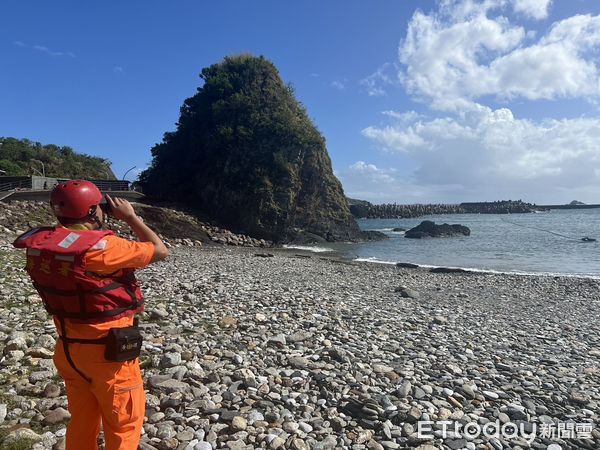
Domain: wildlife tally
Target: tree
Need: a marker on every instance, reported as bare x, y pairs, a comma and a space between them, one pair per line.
16, 157
246, 153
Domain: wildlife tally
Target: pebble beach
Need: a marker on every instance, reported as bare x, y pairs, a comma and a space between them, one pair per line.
265, 348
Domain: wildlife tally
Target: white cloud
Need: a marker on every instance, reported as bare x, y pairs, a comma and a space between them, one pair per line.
459, 55
461, 10
376, 84
117, 69
371, 170
338, 84
535, 9
454, 60
491, 154
368, 182
44, 49
407, 116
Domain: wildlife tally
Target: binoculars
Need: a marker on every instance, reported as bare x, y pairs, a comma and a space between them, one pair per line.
104, 205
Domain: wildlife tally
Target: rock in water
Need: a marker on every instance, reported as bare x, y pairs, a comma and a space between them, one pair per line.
448, 270
407, 265
427, 228
246, 153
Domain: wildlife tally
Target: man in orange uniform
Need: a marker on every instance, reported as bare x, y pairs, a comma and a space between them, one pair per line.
85, 278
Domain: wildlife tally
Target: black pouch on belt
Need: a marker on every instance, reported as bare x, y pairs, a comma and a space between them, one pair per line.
123, 344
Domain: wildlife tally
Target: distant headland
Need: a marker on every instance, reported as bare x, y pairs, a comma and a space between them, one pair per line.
365, 209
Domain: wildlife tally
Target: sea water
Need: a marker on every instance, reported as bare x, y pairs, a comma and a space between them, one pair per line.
519, 243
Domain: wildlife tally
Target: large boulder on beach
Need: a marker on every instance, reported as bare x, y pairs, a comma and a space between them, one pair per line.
247, 155
427, 229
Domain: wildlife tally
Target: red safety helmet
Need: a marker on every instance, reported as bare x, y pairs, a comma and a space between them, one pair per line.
73, 199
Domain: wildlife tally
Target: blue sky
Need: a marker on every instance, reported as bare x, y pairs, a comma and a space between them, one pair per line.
419, 101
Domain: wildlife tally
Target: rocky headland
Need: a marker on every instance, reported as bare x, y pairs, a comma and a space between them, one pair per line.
246, 154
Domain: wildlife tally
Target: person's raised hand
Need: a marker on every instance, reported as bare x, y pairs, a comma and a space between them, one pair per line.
120, 208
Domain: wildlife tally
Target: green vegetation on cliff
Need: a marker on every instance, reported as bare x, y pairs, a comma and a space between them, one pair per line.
246, 154
22, 157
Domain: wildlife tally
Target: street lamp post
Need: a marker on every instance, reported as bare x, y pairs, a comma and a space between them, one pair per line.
128, 170
43, 167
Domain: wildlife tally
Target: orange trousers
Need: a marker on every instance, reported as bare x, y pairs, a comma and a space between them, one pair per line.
115, 398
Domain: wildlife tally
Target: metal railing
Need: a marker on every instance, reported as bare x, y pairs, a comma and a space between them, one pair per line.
15, 185
116, 185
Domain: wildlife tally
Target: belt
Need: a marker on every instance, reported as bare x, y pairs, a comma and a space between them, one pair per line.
83, 341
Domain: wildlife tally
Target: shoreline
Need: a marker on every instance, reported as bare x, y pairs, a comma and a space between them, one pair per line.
335, 254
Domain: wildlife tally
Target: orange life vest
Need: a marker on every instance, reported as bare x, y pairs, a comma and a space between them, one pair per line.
56, 264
